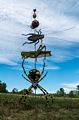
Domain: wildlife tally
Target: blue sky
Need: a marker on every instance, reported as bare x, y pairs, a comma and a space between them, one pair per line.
59, 21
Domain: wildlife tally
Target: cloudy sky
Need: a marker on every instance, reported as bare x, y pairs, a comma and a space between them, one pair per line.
59, 22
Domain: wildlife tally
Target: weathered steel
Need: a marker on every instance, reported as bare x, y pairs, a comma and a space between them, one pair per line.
35, 54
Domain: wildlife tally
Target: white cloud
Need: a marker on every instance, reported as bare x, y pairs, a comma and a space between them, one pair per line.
52, 68
70, 86
16, 16
4, 60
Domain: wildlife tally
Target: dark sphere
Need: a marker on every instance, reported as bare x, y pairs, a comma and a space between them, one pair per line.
34, 24
34, 10
34, 74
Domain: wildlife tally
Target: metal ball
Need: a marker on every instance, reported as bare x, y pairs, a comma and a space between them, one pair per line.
34, 10
34, 74
35, 24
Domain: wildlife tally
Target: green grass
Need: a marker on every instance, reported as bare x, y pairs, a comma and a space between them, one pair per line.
35, 108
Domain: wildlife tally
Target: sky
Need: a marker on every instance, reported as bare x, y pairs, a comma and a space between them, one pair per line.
59, 22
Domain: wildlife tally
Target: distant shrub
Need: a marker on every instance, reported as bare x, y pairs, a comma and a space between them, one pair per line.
3, 87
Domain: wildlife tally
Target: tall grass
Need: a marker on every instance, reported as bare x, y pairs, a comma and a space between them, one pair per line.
36, 108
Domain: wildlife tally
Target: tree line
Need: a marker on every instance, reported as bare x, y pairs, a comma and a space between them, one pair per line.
60, 92
72, 93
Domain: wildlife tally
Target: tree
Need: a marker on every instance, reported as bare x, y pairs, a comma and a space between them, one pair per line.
71, 93
3, 87
15, 90
61, 92
78, 89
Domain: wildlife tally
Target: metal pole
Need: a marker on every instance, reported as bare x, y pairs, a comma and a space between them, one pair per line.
35, 58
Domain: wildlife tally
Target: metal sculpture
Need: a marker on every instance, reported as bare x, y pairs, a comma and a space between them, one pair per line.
35, 23
35, 76
36, 54
34, 38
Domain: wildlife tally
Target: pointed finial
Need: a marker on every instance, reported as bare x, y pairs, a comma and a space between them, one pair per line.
34, 14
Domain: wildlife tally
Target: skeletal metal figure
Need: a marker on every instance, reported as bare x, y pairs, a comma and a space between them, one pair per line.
38, 53
34, 38
34, 77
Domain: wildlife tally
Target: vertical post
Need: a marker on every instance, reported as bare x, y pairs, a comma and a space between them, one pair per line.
35, 58
35, 92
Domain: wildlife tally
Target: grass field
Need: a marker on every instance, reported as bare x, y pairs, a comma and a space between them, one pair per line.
35, 108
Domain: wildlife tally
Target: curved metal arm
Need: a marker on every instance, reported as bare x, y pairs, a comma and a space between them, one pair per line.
42, 77
28, 34
26, 78
29, 89
43, 69
45, 91
36, 31
39, 32
24, 68
41, 89
42, 47
39, 50
28, 43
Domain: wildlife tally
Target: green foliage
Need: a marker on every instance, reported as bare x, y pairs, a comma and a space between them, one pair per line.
15, 90
3, 87
61, 92
78, 89
25, 91
72, 93
35, 108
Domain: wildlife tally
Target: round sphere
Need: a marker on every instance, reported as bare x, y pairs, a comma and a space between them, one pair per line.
35, 24
34, 10
34, 74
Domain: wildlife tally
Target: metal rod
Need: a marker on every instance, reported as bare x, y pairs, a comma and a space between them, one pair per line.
35, 92
35, 58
